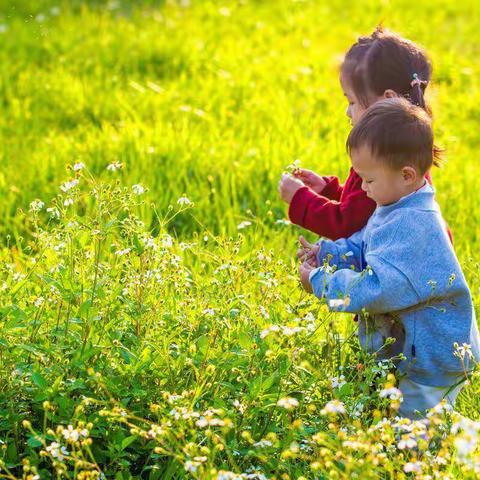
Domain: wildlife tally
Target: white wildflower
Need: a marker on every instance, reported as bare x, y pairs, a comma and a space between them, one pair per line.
333, 406
36, 205
184, 201
155, 431
202, 422
69, 185
412, 467
39, 301
78, 166
56, 451
465, 350
466, 425
239, 406
138, 189
338, 382
243, 225
71, 434
465, 445
440, 408
224, 475
289, 331
407, 442
288, 403
167, 241
114, 166
391, 393
336, 302
264, 312
294, 166
54, 212
191, 467
263, 444
267, 331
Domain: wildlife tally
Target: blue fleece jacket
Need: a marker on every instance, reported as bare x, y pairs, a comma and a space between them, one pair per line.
401, 270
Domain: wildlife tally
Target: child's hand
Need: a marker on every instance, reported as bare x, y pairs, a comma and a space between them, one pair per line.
288, 186
305, 270
308, 252
310, 179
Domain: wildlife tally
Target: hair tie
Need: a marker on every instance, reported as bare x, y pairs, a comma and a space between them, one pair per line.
416, 81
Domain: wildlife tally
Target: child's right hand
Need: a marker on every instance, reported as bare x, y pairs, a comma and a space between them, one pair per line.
310, 179
308, 252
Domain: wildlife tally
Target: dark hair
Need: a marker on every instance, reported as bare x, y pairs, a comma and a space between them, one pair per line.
384, 60
397, 133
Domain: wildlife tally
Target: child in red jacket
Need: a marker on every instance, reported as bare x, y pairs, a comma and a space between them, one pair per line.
381, 65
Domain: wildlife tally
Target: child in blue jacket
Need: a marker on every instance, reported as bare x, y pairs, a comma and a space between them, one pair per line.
400, 271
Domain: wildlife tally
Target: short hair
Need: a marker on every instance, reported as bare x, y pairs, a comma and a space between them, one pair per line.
398, 133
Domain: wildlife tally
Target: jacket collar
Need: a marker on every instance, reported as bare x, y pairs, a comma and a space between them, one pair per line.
422, 199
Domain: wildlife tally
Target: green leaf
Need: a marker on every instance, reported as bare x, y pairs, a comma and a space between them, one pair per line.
12, 454
128, 441
38, 380
34, 442
137, 245
202, 344
244, 340
269, 381
84, 308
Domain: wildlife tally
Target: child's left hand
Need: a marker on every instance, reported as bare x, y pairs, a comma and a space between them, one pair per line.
305, 269
288, 186
308, 252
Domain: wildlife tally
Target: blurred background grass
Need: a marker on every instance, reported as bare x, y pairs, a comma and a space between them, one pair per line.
213, 99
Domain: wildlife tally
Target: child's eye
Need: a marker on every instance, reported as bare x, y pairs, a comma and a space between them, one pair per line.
368, 181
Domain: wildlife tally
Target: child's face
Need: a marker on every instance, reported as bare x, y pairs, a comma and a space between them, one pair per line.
382, 183
355, 108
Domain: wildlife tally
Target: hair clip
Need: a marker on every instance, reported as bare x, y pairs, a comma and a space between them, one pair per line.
417, 81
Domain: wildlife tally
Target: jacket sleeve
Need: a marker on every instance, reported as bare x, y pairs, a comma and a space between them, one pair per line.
342, 253
380, 288
333, 189
331, 218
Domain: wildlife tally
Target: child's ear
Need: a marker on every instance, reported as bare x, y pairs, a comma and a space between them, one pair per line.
410, 175
390, 93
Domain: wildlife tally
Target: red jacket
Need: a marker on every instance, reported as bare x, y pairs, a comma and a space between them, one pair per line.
338, 211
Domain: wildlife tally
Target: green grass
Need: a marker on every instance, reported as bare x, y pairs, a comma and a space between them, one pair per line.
211, 100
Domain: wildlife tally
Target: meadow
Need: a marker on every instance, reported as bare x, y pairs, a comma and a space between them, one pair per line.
152, 323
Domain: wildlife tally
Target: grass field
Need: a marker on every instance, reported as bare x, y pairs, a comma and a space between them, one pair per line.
152, 325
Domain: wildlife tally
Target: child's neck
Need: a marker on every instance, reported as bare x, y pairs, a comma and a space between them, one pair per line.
419, 184
410, 189
414, 187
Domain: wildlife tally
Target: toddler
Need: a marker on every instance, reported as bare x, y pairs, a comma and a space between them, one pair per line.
399, 272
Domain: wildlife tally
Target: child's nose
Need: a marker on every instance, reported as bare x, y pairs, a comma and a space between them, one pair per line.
364, 186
